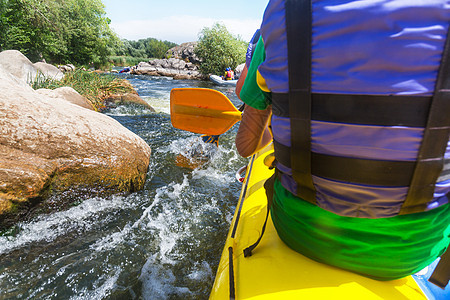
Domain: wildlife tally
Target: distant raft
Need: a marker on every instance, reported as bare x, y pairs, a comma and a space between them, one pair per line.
125, 70
219, 81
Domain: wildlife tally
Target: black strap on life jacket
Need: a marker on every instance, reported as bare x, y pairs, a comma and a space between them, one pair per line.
269, 188
441, 274
299, 39
430, 160
362, 109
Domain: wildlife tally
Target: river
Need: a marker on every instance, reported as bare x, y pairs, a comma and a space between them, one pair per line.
163, 242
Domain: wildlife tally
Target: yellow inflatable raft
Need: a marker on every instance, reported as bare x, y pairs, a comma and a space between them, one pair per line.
274, 271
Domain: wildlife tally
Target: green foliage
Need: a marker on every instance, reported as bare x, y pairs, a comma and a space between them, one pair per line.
219, 49
158, 48
70, 31
123, 61
150, 47
95, 87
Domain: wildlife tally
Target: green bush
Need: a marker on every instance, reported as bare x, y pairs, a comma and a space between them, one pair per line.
70, 31
124, 61
219, 49
149, 47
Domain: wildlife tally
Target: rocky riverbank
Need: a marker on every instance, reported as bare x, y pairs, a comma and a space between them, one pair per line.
55, 149
172, 67
181, 63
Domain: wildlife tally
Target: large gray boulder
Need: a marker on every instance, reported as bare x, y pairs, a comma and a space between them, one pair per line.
67, 68
239, 68
185, 51
18, 65
49, 146
67, 93
180, 63
49, 71
171, 67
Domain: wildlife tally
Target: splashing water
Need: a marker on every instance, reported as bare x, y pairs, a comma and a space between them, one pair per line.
163, 242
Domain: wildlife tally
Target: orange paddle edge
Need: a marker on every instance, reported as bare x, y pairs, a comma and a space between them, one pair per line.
202, 111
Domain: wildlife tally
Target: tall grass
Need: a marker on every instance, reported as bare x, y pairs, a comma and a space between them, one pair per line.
93, 86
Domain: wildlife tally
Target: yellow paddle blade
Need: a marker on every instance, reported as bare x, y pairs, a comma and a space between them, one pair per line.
203, 111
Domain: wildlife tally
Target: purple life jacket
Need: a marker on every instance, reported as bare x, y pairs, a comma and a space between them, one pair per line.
362, 87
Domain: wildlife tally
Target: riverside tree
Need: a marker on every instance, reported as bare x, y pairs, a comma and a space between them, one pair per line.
219, 49
70, 31
150, 48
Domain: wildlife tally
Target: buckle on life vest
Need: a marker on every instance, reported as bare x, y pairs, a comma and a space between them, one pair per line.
269, 160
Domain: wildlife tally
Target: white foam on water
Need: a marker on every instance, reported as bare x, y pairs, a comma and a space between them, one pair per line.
182, 145
164, 221
48, 228
102, 288
214, 170
159, 282
172, 225
211, 173
128, 110
202, 273
111, 241
177, 191
161, 225
160, 104
2, 276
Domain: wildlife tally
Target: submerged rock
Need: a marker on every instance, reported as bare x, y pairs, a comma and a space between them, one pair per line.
127, 98
49, 146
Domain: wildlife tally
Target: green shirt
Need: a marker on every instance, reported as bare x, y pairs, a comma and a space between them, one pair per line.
251, 93
384, 249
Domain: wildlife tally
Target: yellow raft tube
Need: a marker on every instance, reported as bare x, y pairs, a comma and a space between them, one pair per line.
274, 271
